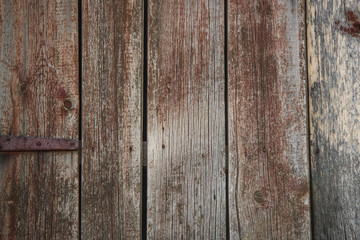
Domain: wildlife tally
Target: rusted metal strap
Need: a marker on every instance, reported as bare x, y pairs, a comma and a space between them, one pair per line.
25, 144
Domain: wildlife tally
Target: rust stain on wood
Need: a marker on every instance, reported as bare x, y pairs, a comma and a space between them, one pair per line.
186, 120
269, 185
353, 24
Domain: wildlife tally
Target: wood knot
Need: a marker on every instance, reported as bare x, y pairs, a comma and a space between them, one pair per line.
67, 104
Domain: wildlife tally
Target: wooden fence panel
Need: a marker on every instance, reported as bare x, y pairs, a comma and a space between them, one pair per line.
186, 120
333, 61
112, 119
39, 97
268, 154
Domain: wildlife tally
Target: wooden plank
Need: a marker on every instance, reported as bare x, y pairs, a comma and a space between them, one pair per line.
39, 97
268, 155
112, 119
186, 120
333, 60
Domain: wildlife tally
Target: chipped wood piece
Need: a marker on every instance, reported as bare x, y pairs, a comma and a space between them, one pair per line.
39, 71
268, 155
186, 120
112, 37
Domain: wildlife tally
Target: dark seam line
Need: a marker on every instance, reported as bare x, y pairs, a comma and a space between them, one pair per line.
80, 108
144, 122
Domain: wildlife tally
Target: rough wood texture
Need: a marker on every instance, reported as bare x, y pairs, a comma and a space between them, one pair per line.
334, 60
268, 156
39, 97
186, 120
111, 117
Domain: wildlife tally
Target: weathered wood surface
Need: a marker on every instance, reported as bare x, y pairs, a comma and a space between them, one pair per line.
333, 62
268, 156
39, 97
111, 119
186, 120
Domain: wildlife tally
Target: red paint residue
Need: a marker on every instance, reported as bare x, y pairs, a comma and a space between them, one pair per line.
353, 24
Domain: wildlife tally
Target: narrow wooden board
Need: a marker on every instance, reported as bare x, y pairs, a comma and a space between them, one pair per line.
39, 192
111, 119
334, 60
186, 120
268, 154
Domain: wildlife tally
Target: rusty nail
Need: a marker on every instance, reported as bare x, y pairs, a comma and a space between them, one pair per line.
163, 146
38, 143
317, 151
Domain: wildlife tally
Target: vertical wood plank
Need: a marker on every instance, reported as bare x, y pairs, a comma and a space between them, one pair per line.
268, 156
186, 120
334, 60
39, 97
112, 119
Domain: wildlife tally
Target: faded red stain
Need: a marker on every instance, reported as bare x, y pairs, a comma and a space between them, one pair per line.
352, 26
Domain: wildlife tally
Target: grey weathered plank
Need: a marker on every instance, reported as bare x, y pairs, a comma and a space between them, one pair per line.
112, 119
268, 156
334, 60
39, 97
186, 120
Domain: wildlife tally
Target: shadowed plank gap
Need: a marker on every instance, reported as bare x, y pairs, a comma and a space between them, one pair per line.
186, 120
39, 98
268, 155
334, 60
112, 45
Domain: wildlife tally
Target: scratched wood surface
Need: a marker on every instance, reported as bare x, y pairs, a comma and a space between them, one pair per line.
39, 97
268, 155
186, 120
111, 119
333, 62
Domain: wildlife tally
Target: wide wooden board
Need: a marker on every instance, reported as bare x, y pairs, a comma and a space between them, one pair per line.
268, 154
112, 38
39, 70
334, 60
186, 120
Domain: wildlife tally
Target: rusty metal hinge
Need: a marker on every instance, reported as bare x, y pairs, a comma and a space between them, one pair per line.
24, 144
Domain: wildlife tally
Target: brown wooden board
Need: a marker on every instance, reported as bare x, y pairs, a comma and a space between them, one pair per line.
186, 120
334, 60
39, 191
268, 154
112, 38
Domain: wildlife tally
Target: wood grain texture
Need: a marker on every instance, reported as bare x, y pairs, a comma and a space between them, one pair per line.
268, 155
334, 60
39, 97
112, 119
186, 120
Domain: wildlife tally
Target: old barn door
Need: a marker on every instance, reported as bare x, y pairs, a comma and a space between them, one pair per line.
39, 96
216, 89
